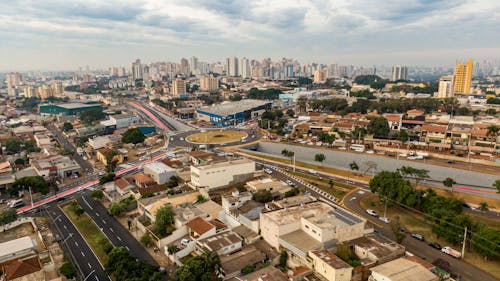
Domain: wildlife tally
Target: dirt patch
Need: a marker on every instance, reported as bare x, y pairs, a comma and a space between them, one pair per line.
216, 137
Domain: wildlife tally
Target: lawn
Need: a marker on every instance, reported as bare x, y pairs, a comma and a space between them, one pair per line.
90, 232
216, 136
416, 223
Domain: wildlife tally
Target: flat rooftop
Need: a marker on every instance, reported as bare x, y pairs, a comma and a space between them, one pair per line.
404, 270
221, 240
301, 240
17, 245
73, 105
230, 108
216, 165
330, 259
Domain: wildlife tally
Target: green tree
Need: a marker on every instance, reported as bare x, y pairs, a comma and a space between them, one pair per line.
449, 182
302, 103
67, 126
98, 194
396, 227
248, 269
290, 112
402, 136
263, 196
379, 127
493, 130
320, 157
283, 259
288, 153
164, 219
200, 199
354, 166
146, 239
122, 265
496, 184
79, 211
292, 192
107, 178
487, 242
7, 215
117, 208
172, 249
13, 145
37, 184
204, 267
134, 136
483, 206
91, 115
68, 270
345, 253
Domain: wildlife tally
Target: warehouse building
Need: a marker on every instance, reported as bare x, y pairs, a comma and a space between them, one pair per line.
72, 108
232, 113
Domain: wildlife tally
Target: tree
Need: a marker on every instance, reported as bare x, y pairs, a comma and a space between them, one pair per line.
320, 157
493, 130
263, 196
345, 253
37, 184
483, 206
146, 239
379, 127
288, 153
91, 115
122, 265
292, 192
402, 136
7, 215
129, 224
164, 219
283, 259
302, 103
68, 270
487, 242
449, 182
496, 185
204, 267
290, 112
13, 145
107, 178
172, 249
248, 269
200, 199
396, 227
78, 211
354, 166
134, 136
98, 194
117, 208
67, 126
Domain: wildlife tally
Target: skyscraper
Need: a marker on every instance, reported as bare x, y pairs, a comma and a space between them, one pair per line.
178, 87
193, 65
445, 89
463, 77
320, 76
209, 83
399, 73
185, 67
232, 66
137, 70
244, 70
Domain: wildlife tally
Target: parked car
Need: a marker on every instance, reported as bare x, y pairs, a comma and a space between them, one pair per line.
418, 236
452, 252
384, 219
268, 171
435, 245
185, 242
312, 171
372, 212
290, 183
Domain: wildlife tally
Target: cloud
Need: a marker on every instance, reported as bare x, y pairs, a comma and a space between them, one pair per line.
306, 29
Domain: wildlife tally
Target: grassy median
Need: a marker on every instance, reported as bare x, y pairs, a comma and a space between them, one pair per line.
89, 230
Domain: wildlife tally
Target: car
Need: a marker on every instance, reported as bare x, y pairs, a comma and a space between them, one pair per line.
268, 171
418, 236
372, 212
60, 199
185, 242
384, 219
370, 151
435, 245
312, 171
290, 183
450, 162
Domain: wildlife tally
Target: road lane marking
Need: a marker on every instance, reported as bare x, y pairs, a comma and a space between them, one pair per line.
96, 214
89, 265
111, 229
96, 278
85, 200
76, 243
126, 247
118, 237
82, 254
65, 227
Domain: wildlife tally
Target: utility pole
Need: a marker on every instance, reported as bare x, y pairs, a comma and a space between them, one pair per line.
463, 243
31, 197
294, 162
385, 208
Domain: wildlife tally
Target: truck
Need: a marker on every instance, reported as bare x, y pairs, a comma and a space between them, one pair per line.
452, 252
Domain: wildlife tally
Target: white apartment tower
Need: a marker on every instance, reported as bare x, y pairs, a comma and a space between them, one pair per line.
399, 72
445, 89
245, 70
232, 66
137, 70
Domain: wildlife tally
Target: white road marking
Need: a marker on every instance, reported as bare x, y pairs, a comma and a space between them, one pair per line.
76, 243
126, 247
85, 200
96, 214
82, 254
89, 265
65, 226
96, 278
118, 237
111, 229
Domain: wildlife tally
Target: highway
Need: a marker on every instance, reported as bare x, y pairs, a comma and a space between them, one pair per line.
80, 251
116, 233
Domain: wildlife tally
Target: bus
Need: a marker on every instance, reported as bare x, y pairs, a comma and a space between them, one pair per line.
357, 147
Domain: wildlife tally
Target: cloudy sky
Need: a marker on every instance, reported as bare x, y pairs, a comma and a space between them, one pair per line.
65, 34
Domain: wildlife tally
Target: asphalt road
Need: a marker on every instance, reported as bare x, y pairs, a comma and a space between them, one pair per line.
69, 146
116, 233
80, 251
341, 160
466, 271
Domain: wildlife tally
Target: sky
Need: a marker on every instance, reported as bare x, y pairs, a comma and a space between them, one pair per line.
66, 34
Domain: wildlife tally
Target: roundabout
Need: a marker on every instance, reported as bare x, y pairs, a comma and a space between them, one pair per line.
216, 137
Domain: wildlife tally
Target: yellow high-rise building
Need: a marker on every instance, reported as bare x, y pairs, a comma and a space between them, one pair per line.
463, 77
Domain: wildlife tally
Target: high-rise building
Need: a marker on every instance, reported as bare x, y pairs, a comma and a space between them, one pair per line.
320, 76
193, 65
463, 77
399, 72
289, 71
137, 70
232, 66
45, 91
209, 83
445, 89
244, 68
58, 88
185, 67
178, 87
30, 92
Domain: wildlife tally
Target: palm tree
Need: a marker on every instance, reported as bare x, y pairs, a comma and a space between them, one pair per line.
320, 157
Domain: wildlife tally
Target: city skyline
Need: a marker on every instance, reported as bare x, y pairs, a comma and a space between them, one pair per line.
60, 36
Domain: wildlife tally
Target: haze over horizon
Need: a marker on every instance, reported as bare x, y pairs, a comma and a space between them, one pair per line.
56, 35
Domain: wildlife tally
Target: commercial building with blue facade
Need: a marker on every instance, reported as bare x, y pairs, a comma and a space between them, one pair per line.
232, 113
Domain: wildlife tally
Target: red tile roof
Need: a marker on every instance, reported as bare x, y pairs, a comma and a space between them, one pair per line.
434, 128
393, 117
20, 268
122, 183
199, 225
151, 189
142, 178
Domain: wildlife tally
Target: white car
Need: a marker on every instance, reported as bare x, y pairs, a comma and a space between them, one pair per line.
370, 151
185, 242
268, 171
312, 171
372, 212
384, 219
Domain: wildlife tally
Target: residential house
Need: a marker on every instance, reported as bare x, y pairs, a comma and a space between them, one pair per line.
104, 154
276, 187
143, 180
401, 270
199, 157
199, 228
329, 266
149, 206
231, 265
435, 136
99, 142
268, 273
395, 121
220, 174
223, 243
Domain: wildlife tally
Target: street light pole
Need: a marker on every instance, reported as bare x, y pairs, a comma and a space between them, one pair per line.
89, 275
